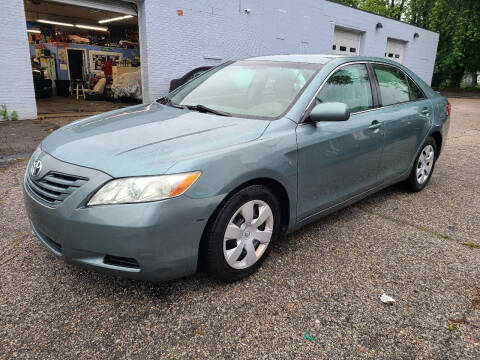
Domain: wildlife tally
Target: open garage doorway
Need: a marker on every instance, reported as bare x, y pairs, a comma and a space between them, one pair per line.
85, 59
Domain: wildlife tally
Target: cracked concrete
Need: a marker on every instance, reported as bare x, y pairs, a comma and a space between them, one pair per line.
327, 278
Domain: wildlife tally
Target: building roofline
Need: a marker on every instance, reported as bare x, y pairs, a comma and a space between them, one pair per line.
382, 16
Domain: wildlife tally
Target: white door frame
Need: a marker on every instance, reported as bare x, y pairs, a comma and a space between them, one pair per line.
91, 53
84, 67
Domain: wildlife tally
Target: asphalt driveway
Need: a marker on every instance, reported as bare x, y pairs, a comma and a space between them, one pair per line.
317, 296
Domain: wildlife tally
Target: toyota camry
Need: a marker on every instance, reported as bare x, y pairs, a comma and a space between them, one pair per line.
220, 168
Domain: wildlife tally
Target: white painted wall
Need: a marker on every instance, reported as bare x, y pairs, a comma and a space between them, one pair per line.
419, 53
213, 31
173, 45
16, 82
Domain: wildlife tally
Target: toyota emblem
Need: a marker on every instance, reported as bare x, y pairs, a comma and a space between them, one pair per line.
36, 168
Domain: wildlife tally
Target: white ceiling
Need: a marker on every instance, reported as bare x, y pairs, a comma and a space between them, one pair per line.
42, 9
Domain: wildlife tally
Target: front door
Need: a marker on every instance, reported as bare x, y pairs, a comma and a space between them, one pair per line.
337, 160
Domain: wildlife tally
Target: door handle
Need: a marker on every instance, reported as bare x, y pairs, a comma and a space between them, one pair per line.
426, 112
375, 125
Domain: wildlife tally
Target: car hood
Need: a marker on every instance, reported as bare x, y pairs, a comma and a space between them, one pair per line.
147, 139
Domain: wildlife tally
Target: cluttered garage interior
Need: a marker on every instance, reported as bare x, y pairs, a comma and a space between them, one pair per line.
91, 56
82, 58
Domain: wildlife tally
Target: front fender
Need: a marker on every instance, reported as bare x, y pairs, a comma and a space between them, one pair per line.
273, 156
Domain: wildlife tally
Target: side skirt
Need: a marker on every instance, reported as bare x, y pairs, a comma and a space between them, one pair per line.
345, 203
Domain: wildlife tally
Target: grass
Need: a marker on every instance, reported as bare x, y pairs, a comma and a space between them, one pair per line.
460, 89
471, 245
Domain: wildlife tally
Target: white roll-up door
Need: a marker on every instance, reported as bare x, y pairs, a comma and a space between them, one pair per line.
346, 42
395, 50
122, 7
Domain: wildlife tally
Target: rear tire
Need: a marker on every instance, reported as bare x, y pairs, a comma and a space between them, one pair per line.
240, 236
423, 166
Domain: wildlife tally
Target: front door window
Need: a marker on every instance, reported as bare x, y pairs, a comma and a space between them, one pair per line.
349, 85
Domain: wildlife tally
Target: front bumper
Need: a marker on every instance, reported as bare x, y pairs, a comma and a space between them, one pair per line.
146, 241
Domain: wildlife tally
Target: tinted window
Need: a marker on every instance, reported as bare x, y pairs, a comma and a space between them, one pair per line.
393, 84
349, 85
415, 92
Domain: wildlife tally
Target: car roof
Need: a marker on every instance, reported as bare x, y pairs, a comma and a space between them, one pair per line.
321, 59
303, 58
336, 60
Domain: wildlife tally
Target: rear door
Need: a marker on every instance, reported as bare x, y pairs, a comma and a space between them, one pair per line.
406, 114
339, 159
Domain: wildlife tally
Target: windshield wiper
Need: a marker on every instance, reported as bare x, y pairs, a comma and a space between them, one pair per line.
203, 108
167, 101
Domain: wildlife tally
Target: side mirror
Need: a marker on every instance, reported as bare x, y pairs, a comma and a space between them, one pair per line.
330, 111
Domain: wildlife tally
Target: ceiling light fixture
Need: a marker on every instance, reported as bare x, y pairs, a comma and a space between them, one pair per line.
92, 27
54, 22
34, 31
115, 19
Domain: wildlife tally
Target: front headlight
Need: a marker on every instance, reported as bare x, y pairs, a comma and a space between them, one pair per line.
143, 189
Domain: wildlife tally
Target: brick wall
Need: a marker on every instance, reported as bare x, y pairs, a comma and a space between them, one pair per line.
16, 83
212, 31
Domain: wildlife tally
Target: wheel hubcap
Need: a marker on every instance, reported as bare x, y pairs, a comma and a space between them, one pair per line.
425, 164
248, 234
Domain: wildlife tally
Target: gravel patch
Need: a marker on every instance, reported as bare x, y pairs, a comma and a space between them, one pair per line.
317, 295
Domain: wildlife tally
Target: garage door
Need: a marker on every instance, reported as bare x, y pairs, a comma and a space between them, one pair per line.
346, 42
395, 50
122, 7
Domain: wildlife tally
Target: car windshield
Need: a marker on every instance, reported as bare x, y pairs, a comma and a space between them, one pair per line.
255, 89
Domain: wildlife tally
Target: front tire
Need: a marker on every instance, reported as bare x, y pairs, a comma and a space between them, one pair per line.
423, 166
240, 236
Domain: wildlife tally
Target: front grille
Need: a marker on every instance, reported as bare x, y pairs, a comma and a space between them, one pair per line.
55, 187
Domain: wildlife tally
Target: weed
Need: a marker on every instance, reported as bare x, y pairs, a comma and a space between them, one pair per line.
4, 113
471, 245
419, 227
452, 326
476, 301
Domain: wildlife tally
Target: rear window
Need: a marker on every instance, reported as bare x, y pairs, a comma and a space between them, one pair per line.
415, 92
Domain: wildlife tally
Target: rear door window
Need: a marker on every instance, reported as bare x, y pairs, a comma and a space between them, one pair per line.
393, 84
349, 85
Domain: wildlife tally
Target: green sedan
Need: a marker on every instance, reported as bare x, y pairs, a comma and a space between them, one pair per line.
216, 171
